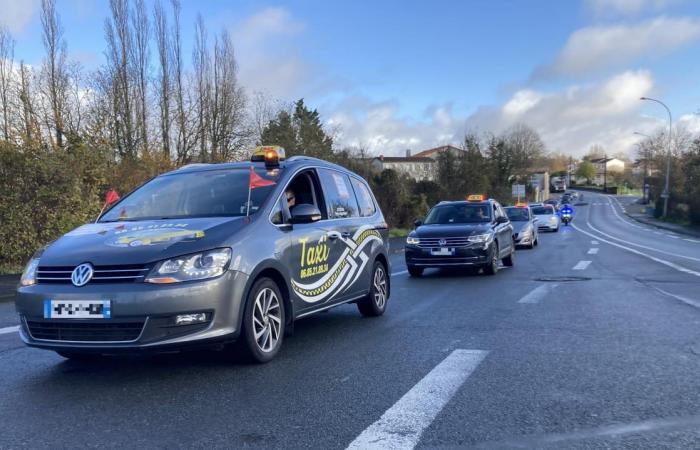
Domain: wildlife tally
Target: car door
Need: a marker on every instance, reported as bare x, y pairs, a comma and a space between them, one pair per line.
314, 255
504, 230
348, 228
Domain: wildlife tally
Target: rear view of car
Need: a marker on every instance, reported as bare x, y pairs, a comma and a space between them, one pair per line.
547, 218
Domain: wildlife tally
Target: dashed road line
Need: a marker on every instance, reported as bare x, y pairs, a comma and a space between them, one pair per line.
637, 252
692, 240
402, 425
537, 294
593, 251
581, 265
594, 242
8, 330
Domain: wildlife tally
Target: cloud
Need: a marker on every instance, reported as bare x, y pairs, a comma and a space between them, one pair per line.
569, 120
574, 118
267, 56
627, 7
591, 49
379, 126
16, 15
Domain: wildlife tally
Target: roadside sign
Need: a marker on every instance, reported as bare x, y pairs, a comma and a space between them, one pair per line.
518, 190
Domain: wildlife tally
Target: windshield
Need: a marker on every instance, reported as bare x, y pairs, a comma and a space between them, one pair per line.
208, 193
517, 214
448, 214
542, 210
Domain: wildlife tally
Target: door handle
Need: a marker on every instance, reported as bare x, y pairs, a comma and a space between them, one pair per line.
333, 235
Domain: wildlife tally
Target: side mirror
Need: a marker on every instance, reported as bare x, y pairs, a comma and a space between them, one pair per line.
501, 219
305, 213
418, 223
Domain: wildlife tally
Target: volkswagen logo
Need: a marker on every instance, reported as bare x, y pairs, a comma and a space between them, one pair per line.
82, 274
442, 242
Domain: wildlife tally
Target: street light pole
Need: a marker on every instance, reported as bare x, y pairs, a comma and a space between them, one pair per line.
666, 192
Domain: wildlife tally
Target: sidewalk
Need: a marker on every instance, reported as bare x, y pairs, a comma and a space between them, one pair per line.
8, 284
642, 213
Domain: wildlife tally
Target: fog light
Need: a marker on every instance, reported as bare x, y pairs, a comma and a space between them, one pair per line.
189, 319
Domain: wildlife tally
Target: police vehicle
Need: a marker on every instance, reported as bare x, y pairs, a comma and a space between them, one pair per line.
472, 233
210, 254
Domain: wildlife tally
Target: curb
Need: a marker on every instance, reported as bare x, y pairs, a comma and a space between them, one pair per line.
662, 226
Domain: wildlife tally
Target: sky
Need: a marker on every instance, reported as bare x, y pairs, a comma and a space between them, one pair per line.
394, 75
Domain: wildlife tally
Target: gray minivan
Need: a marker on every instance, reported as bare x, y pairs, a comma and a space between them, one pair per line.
210, 254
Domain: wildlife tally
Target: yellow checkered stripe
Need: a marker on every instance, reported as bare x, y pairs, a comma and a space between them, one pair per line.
325, 286
366, 234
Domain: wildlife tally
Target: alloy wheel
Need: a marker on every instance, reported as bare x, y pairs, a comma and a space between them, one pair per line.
267, 320
379, 287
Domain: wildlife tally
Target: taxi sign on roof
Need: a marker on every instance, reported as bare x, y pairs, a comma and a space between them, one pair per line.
267, 153
521, 205
476, 198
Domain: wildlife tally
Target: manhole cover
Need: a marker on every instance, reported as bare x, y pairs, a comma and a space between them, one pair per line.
558, 279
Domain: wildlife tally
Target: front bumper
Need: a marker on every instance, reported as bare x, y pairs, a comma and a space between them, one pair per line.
549, 226
524, 239
142, 315
472, 255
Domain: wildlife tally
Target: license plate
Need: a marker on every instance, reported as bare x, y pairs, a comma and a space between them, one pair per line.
443, 251
77, 309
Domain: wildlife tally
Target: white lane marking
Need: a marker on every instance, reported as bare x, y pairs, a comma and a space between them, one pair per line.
672, 236
692, 240
401, 425
581, 265
686, 300
401, 272
593, 251
594, 242
657, 232
640, 245
537, 294
637, 252
8, 330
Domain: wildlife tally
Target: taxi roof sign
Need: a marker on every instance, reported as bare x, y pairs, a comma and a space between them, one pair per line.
521, 205
270, 154
476, 198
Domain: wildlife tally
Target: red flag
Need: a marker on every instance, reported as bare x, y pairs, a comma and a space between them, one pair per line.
112, 197
257, 181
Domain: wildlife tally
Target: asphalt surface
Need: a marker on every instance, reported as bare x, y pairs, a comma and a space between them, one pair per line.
607, 359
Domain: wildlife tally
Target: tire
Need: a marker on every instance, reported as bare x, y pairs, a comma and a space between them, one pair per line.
263, 322
374, 304
415, 271
509, 260
492, 267
556, 230
537, 242
79, 356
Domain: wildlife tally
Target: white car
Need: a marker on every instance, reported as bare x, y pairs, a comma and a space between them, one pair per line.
547, 218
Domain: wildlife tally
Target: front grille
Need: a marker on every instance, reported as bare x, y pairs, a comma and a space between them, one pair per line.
449, 242
102, 274
85, 332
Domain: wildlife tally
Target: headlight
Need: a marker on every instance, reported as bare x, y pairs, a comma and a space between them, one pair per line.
199, 266
411, 240
478, 238
29, 274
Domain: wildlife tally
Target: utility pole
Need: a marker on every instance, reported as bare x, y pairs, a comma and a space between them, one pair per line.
571, 162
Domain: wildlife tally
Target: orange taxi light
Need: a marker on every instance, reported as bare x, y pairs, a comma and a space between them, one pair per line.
521, 205
476, 198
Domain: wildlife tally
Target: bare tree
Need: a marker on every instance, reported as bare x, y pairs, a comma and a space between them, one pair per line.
162, 32
140, 60
202, 75
54, 68
181, 116
7, 77
30, 123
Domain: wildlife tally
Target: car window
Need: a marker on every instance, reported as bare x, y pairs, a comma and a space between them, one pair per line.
460, 213
541, 210
337, 190
518, 214
364, 198
303, 189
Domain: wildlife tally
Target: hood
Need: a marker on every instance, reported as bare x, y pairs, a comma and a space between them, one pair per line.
518, 226
139, 242
452, 230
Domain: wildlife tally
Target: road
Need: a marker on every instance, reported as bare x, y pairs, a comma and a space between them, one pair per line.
590, 341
